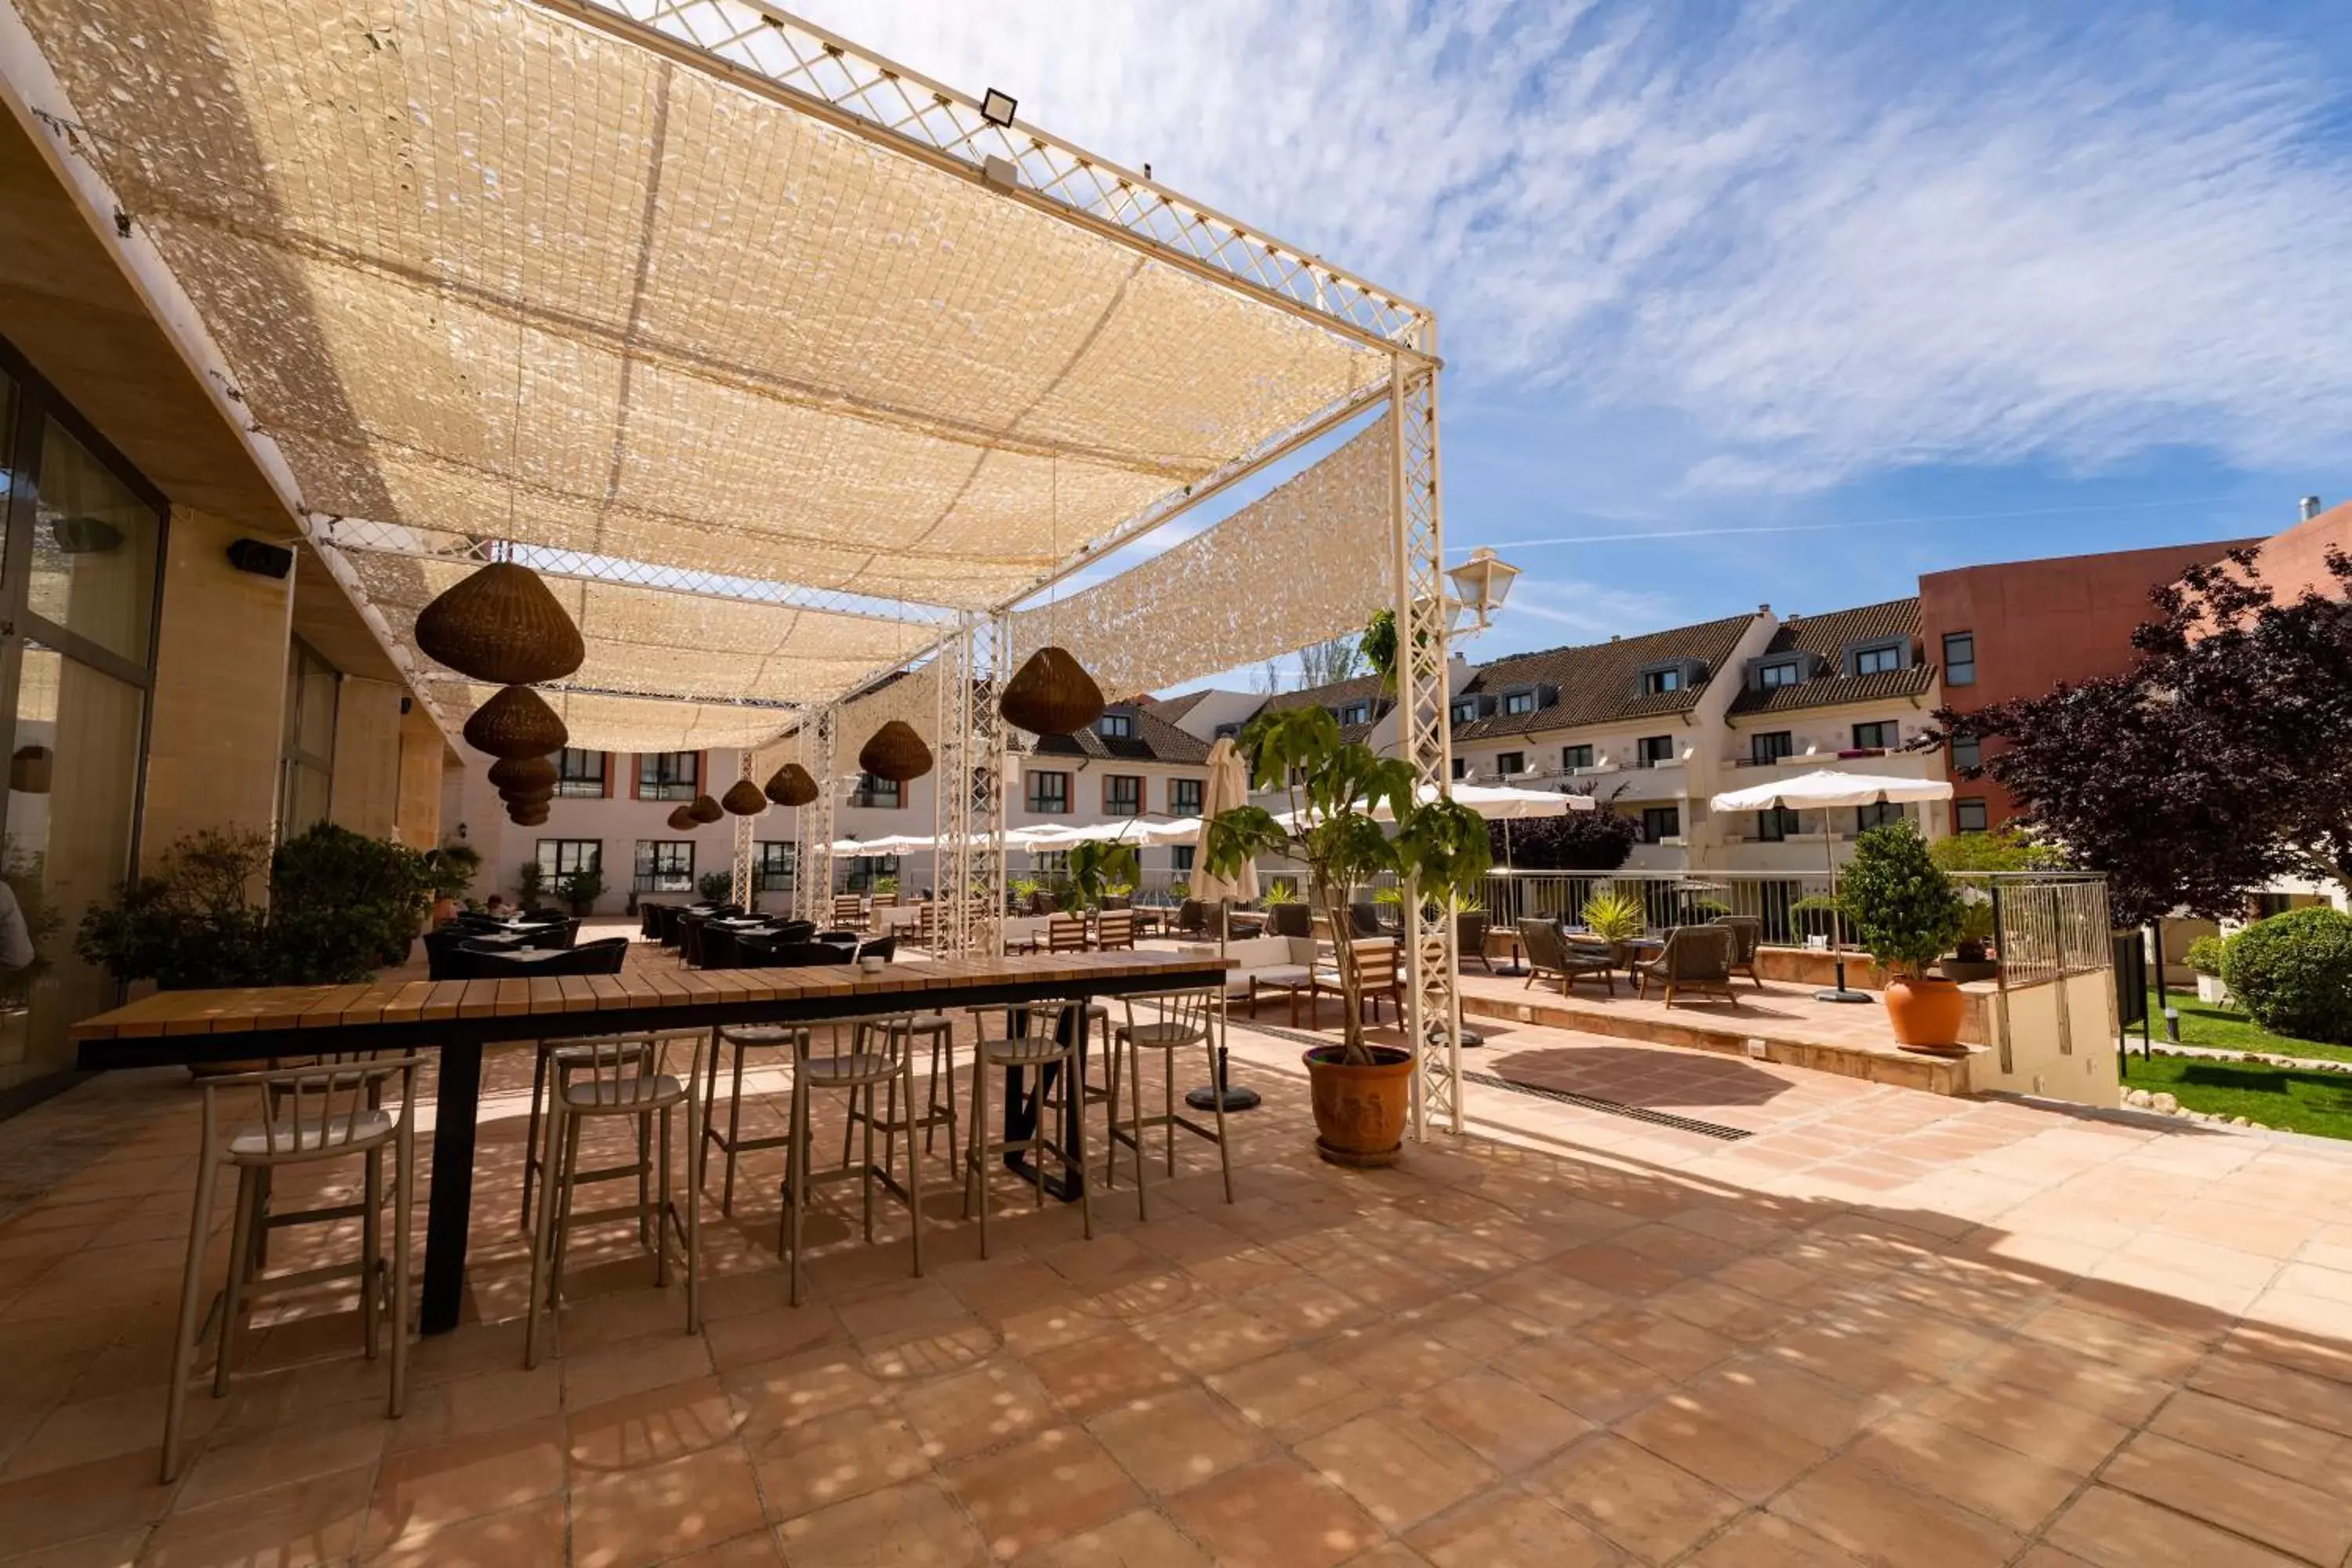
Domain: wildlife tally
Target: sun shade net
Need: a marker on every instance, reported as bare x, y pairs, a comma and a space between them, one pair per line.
599, 722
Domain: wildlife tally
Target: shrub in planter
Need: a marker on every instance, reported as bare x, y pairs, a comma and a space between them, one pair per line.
1905, 912
2293, 974
2204, 956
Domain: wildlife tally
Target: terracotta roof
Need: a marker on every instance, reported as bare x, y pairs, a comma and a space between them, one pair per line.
1336, 694
1598, 682
1173, 709
1828, 636
1155, 740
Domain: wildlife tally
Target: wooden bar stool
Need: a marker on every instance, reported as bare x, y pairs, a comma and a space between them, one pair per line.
740, 1040
1038, 1035
881, 1052
534, 1167
642, 1077
1183, 1019
936, 1112
331, 1109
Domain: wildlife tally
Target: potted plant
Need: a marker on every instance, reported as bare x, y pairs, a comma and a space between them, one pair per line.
714, 886
1816, 916
1971, 957
1023, 891
2204, 958
581, 889
1616, 918
1363, 1092
1905, 912
530, 881
452, 868
1096, 870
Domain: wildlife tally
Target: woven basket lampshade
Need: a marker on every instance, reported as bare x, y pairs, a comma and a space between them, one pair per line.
705, 809
516, 723
790, 785
896, 752
681, 819
502, 625
1052, 694
522, 773
539, 797
743, 798
527, 816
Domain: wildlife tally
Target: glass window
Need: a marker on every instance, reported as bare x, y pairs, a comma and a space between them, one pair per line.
664, 866
1047, 791
1509, 762
1657, 749
1184, 797
1465, 712
1460, 767
1969, 815
1968, 752
307, 768
93, 565
578, 773
1771, 746
1122, 794
1356, 713
772, 871
1660, 823
1116, 726
1180, 859
1866, 817
1520, 703
884, 795
1879, 734
668, 775
1776, 675
1776, 825
1575, 758
1959, 659
1658, 682
561, 856
1877, 660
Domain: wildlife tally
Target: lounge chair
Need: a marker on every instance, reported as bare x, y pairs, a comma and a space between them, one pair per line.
1747, 935
1289, 919
1696, 958
1550, 953
1470, 938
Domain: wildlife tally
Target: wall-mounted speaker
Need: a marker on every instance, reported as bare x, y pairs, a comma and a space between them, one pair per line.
261, 559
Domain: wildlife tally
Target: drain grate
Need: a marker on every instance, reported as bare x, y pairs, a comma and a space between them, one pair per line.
1611, 1108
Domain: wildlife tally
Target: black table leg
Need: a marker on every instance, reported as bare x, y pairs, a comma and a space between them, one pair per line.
1023, 1109
455, 1108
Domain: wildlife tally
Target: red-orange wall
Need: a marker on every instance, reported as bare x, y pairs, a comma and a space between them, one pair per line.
2297, 559
2038, 622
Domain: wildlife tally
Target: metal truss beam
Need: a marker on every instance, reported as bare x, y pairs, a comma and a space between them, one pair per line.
813, 859
742, 876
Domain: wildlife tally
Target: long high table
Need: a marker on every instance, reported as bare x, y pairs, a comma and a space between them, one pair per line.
457, 1018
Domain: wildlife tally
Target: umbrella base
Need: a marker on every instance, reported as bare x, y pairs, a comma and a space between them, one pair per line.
1840, 993
1236, 1098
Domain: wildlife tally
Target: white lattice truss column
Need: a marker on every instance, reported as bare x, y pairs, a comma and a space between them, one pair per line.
1432, 1006
952, 846
812, 861
743, 876
988, 760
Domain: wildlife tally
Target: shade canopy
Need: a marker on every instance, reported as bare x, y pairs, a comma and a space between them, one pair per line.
1828, 788
1502, 803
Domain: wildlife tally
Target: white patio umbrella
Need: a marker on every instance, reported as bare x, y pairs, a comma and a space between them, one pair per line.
1827, 790
1503, 803
1227, 787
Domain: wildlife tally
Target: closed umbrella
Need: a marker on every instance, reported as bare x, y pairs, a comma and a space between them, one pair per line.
1226, 789
1828, 790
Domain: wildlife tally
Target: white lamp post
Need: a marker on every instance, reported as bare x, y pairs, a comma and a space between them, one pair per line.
1480, 585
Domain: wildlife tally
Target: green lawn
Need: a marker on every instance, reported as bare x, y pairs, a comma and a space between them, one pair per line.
2202, 1024
2300, 1101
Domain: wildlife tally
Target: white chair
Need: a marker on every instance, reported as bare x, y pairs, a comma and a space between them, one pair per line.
1038, 1035
331, 1110
1179, 1019
881, 1052
645, 1078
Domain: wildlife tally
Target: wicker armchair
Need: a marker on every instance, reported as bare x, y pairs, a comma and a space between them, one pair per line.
1552, 953
1696, 958
1747, 936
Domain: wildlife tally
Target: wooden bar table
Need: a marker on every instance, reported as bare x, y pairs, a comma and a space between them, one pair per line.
457, 1018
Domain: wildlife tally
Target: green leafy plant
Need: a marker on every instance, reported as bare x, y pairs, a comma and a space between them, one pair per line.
1281, 891
2205, 954
1615, 916
531, 883
2003, 849
2293, 974
1976, 927
714, 885
581, 889
1179, 890
453, 867
888, 886
1095, 870
1335, 788
1902, 909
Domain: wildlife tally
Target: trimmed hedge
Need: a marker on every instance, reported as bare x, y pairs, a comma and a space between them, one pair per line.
2293, 974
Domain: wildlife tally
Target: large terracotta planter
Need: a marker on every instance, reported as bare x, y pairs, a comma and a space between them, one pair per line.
1359, 1111
1925, 1013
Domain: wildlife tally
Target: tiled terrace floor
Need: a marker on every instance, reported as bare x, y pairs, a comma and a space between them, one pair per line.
1887, 1327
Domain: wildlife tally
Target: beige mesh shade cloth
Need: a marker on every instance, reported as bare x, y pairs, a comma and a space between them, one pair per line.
477, 266
599, 722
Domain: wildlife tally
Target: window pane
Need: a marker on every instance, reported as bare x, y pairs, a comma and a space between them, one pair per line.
93, 548
1969, 815
1967, 751
1959, 659
73, 784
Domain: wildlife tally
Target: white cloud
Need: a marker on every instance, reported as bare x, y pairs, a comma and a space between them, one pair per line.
1567, 610
1824, 240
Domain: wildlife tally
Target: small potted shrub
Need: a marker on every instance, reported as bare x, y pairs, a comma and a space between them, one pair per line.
531, 885
1971, 957
581, 889
1905, 912
714, 886
1616, 918
452, 867
2204, 958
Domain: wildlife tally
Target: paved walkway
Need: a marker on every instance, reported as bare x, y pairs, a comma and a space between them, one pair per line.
1883, 1327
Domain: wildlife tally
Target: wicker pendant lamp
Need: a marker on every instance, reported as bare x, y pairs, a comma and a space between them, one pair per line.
743, 798
896, 752
527, 816
522, 773
1052, 694
705, 809
502, 625
516, 723
681, 819
790, 785
527, 796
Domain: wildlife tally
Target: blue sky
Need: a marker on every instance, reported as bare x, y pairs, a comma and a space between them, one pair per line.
1920, 286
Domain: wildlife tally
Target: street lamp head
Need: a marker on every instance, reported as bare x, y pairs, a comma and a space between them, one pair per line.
1481, 584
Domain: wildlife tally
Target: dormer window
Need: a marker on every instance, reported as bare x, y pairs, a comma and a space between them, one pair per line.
1115, 726
1877, 660
1518, 702
1227, 733
1354, 713
1658, 682
1777, 675
1466, 713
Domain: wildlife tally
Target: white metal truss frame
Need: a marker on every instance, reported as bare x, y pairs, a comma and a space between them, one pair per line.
950, 802
780, 56
742, 876
813, 859
1432, 1012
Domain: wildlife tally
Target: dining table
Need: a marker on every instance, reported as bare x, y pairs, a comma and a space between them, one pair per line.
454, 1020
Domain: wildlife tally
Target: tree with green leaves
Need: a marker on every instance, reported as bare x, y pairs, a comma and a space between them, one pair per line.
1899, 906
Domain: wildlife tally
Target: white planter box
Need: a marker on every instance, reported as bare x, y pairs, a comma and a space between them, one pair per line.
2211, 991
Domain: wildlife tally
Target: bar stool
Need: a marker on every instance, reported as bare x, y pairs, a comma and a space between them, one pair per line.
1185, 1019
636, 1075
1038, 1035
881, 1051
331, 1110
741, 1039
935, 1027
534, 1166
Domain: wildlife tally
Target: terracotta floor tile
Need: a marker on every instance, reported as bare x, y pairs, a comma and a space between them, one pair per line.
1043, 1489
1749, 1457
2287, 1514
916, 1525
1169, 1442
459, 1407
1274, 1513
2072, 1439
311, 1522
1500, 1419
757, 1549
128, 1423
1507, 1528
775, 1394
1104, 1370
835, 1457
114, 1548
965, 1412
425, 1489
637, 1517
1398, 1467
2116, 1529
1211, 1336
632, 1366
1873, 1516
1139, 1539
1680, 1349
1767, 1540
1638, 1500
2002, 1484
2272, 1443
780, 1331
1597, 1383
2247, 1379
1291, 1391
532, 1533
649, 1427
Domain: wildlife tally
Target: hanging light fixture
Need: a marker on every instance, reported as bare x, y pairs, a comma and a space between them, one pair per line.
1480, 585
790, 785
705, 809
527, 815
516, 723
743, 798
522, 773
896, 752
527, 796
502, 625
1051, 693
681, 819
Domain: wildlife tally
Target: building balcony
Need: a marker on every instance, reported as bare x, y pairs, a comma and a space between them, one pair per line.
1872, 761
